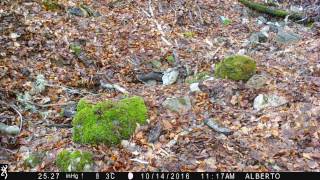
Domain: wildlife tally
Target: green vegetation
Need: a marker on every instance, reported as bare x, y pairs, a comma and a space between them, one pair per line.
51, 5
198, 77
189, 34
225, 21
33, 159
274, 12
108, 122
236, 67
170, 59
68, 161
76, 49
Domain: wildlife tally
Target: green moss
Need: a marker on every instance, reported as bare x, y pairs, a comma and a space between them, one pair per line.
225, 21
189, 34
198, 77
170, 59
236, 67
274, 12
51, 5
68, 161
33, 159
76, 49
108, 122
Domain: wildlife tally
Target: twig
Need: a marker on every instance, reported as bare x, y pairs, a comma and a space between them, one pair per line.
71, 90
151, 16
59, 125
50, 105
21, 118
200, 14
16, 110
139, 161
8, 150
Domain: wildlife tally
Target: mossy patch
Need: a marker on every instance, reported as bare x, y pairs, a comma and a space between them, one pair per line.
225, 21
189, 34
78, 161
34, 159
237, 67
198, 77
51, 5
108, 122
76, 49
170, 59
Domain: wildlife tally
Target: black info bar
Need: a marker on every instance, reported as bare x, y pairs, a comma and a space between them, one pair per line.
5, 174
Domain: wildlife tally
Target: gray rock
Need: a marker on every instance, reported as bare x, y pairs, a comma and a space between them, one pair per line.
178, 104
69, 110
258, 37
286, 37
261, 20
157, 76
263, 101
257, 81
274, 26
77, 11
170, 76
194, 87
216, 126
155, 133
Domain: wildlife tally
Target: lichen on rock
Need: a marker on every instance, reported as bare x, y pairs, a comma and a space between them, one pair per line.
237, 67
108, 122
78, 161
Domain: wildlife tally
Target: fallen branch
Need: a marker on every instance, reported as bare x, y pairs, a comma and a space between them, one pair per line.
274, 12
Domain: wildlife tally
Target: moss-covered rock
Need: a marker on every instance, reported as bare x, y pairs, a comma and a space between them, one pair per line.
34, 159
108, 122
68, 161
237, 67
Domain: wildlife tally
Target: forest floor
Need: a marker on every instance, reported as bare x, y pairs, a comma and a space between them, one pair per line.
127, 39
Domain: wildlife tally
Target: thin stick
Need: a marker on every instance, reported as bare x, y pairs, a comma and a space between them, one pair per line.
59, 125
50, 105
16, 110
21, 118
8, 150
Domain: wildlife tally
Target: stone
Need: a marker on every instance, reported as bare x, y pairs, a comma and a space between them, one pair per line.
155, 133
236, 67
194, 87
261, 20
216, 126
77, 11
180, 105
258, 37
264, 101
69, 111
257, 81
170, 76
286, 37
